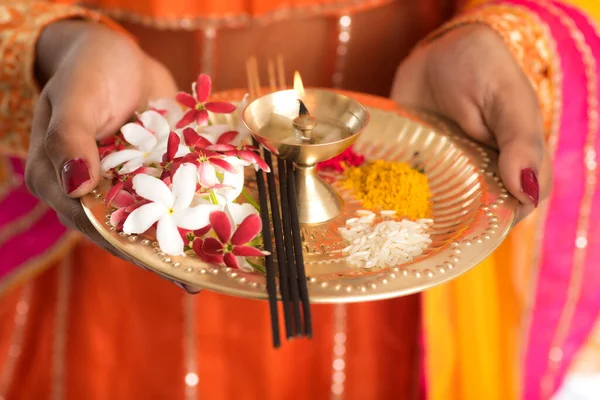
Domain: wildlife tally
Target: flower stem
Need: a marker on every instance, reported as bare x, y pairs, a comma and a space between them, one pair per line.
257, 267
213, 197
250, 200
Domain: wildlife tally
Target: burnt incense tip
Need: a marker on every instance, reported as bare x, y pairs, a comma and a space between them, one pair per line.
302, 111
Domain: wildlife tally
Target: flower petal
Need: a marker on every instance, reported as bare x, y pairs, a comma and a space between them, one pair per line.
221, 225
219, 162
220, 147
112, 193
230, 260
135, 134
169, 108
117, 218
254, 158
243, 264
197, 245
212, 246
192, 138
182, 151
203, 86
188, 118
155, 123
172, 146
213, 131
227, 137
119, 157
142, 218
195, 217
131, 165
186, 99
247, 230
168, 237
207, 175
248, 251
184, 187
202, 231
202, 117
240, 212
220, 107
234, 185
153, 189
122, 199
156, 155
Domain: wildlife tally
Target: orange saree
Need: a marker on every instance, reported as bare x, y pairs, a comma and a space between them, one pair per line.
78, 323
91, 326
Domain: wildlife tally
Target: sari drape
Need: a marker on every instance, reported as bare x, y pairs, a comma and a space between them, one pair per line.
511, 328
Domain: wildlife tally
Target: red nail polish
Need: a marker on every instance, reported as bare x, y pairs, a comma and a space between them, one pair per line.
74, 174
530, 185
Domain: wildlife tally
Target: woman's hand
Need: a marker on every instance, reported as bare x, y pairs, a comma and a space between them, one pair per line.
469, 76
93, 79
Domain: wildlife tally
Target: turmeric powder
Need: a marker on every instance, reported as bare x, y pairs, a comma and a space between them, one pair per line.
388, 185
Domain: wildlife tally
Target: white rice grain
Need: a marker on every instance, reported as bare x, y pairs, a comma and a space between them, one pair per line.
388, 212
384, 244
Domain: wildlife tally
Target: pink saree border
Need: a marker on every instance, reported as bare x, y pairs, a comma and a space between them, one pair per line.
556, 275
31, 242
588, 302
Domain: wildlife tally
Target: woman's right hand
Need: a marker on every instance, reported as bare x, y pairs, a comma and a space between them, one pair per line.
93, 79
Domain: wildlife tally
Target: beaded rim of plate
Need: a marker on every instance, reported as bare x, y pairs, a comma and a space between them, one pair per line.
490, 224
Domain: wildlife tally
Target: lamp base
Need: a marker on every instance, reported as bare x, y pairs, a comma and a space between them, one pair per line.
318, 202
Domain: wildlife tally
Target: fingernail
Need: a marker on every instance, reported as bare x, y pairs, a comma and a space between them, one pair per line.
530, 185
74, 174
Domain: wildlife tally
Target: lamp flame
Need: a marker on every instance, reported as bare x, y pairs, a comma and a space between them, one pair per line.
298, 86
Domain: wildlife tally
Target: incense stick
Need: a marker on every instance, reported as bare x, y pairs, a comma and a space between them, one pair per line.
268, 245
286, 226
282, 265
289, 244
253, 88
298, 249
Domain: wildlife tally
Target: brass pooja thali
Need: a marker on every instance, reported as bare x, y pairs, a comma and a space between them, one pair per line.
472, 213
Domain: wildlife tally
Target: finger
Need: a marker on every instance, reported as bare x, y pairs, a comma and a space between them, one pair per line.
514, 117
545, 186
79, 114
70, 143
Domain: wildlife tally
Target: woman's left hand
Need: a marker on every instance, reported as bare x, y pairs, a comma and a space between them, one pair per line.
469, 76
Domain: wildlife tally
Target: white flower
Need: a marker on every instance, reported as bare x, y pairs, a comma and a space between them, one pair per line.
170, 109
149, 142
212, 132
233, 182
239, 212
169, 207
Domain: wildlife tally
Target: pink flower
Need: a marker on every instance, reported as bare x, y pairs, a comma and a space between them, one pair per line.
198, 104
195, 141
207, 163
248, 154
231, 245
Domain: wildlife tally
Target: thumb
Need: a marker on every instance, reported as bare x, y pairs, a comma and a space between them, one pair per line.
514, 118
